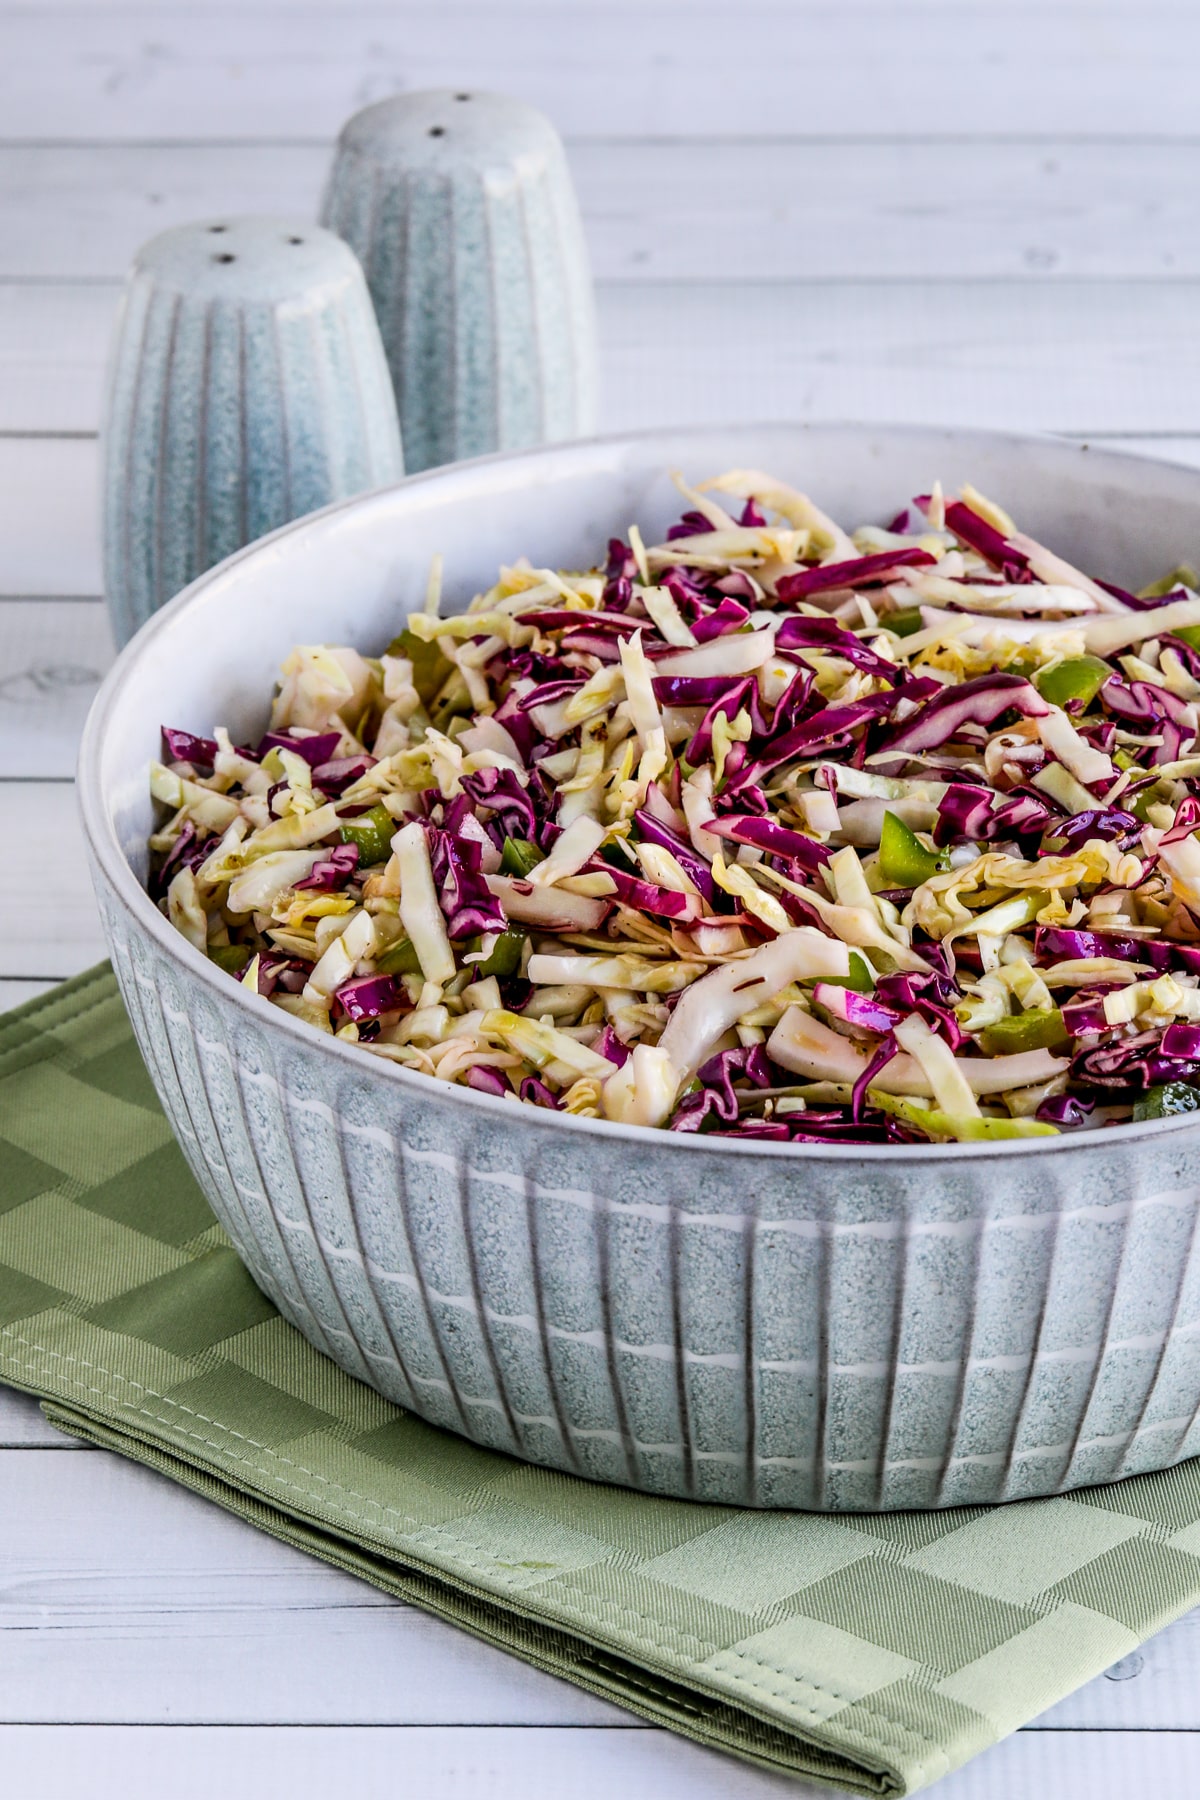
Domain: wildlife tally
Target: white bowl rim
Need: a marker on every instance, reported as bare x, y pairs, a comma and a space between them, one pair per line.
110, 858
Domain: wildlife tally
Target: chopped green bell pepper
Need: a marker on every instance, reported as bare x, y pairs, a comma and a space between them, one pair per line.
937, 1124
519, 856
1182, 576
1041, 1028
1078, 678
372, 832
1190, 634
430, 667
903, 859
230, 957
860, 980
1168, 1098
1139, 804
454, 698
399, 958
905, 623
984, 1130
505, 959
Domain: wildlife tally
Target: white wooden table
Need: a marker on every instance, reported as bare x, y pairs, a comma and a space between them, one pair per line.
934, 209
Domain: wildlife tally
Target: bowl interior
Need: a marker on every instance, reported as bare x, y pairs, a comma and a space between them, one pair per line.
351, 573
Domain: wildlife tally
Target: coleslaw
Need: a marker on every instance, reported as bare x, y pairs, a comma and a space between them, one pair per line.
768, 830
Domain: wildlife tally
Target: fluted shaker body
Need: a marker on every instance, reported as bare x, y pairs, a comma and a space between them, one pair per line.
247, 386
461, 210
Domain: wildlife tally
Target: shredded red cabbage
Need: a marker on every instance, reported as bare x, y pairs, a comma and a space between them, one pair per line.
369, 996
182, 746
866, 571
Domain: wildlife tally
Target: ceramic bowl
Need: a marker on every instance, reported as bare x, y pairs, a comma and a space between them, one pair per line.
844, 1329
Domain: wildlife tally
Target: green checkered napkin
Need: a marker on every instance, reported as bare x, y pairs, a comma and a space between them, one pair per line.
872, 1653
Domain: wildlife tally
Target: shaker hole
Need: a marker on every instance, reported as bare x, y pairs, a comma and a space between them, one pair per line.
462, 96
437, 131
294, 240
225, 257
218, 228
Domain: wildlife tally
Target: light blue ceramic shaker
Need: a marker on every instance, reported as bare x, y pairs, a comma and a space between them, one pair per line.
247, 385
461, 210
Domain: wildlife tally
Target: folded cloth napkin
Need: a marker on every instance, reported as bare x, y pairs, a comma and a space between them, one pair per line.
873, 1653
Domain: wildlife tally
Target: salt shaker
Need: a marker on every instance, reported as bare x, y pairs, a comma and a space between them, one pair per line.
247, 385
461, 210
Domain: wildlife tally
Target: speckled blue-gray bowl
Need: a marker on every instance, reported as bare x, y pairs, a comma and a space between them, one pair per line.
784, 1326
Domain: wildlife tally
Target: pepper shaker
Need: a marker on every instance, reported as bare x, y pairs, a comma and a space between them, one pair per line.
461, 210
247, 385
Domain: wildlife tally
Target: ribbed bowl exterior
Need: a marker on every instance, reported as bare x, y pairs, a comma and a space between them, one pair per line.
748, 1329
461, 210
247, 386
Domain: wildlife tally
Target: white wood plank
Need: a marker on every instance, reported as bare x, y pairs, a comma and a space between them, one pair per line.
53, 655
460, 1763
1069, 357
1153, 1687
15, 993
51, 925
126, 1598
1074, 357
614, 66
49, 516
72, 212
146, 1605
53, 345
1077, 356
759, 12
829, 211
49, 507
698, 210
24, 1427
478, 1763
